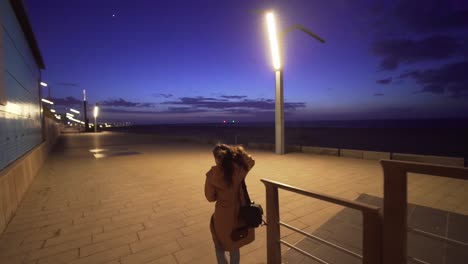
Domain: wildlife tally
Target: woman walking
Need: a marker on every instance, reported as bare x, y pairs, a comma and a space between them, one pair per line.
223, 186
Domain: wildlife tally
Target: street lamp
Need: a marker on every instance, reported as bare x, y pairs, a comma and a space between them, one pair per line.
44, 84
47, 101
96, 111
279, 95
276, 39
85, 111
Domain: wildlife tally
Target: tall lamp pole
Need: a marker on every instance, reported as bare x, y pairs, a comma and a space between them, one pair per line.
276, 39
86, 121
96, 112
279, 95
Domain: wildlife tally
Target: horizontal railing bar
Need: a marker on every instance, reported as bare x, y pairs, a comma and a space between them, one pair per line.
418, 260
332, 199
321, 240
303, 252
429, 169
441, 238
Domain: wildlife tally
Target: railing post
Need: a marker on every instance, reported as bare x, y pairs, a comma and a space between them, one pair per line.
372, 237
273, 228
394, 215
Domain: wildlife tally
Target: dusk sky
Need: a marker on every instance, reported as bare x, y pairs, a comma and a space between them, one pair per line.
206, 61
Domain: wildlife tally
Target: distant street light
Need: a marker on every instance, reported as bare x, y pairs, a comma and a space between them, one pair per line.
74, 119
96, 112
47, 101
44, 84
74, 111
276, 40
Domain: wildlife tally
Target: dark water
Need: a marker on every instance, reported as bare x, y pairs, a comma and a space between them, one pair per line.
444, 137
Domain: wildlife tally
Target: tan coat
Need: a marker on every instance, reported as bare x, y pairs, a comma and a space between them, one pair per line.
227, 207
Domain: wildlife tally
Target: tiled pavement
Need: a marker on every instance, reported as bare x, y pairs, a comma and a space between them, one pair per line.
150, 207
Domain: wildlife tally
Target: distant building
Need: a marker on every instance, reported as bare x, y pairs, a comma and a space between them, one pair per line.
21, 62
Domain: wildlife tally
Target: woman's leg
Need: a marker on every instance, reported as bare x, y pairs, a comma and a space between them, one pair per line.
220, 256
235, 256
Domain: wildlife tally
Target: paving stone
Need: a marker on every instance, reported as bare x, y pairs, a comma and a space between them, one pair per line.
56, 240
132, 229
104, 256
456, 254
150, 242
158, 230
151, 254
63, 258
429, 220
57, 249
458, 227
169, 259
107, 244
192, 253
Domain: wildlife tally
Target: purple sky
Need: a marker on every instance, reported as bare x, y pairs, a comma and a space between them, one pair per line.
206, 61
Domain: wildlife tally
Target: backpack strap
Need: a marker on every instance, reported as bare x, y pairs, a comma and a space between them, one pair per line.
246, 193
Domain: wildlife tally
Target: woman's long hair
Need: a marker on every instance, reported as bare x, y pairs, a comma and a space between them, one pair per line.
228, 155
224, 154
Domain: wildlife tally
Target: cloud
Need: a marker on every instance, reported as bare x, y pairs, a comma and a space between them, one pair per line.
384, 81
293, 106
67, 101
429, 16
126, 111
450, 78
214, 103
406, 51
163, 95
191, 108
184, 110
170, 110
124, 103
378, 94
419, 16
233, 96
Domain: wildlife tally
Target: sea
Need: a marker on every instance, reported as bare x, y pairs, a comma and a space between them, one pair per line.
438, 137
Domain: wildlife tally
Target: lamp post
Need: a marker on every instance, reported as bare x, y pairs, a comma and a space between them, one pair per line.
96, 111
276, 39
279, 95
86, 121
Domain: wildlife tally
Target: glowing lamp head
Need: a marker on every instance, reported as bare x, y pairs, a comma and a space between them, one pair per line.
273, 37
47, 101
44, 84
96, 111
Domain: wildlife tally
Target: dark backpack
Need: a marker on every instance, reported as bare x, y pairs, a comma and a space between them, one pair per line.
251, 213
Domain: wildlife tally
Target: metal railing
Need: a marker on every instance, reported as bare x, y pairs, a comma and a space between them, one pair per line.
384, 231
371, 221
395, 203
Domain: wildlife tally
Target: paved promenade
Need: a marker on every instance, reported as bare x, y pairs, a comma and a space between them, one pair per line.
140, 200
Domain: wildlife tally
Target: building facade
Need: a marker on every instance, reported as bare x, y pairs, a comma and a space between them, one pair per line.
20, 99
